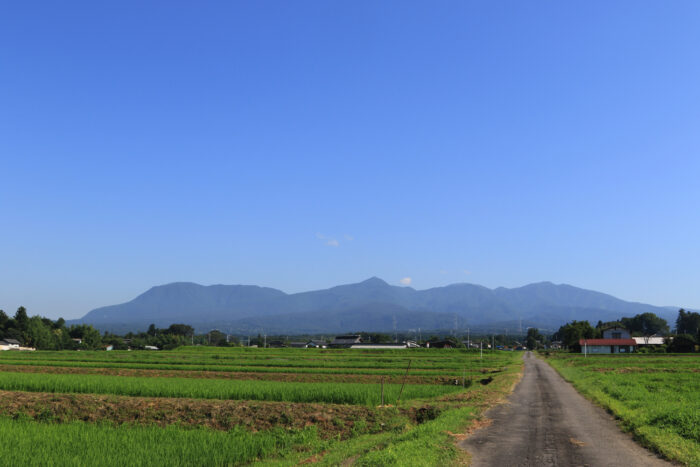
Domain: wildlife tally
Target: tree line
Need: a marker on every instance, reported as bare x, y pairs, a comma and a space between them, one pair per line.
685, 338
46, 334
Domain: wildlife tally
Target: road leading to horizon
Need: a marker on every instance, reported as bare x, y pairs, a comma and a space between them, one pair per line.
547, 423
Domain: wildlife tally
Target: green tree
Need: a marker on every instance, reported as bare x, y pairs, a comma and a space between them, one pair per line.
21, 319
688, 322
216, 337
533, 338
4, 319
377, 338
572, 332
646, 324
90, 336
39, 334
682, 343
180, 330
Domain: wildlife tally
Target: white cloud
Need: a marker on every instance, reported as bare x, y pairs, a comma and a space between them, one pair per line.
406, 281
330, 241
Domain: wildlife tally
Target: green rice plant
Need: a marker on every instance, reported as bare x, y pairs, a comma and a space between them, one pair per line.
448, 363
468, 370
81, 444
346, 393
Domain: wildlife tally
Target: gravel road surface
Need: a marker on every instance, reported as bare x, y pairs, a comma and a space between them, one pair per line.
547, 423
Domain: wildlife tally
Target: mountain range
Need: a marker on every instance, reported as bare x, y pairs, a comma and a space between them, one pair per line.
371, 305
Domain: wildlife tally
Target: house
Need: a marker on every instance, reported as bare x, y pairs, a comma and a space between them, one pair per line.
556, 345
9, 344
616, 332
615, 340
313, 344
298, 345
150, 347
346, 341
600, 346
276, 344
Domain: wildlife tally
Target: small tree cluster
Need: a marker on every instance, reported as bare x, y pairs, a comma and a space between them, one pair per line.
46, 334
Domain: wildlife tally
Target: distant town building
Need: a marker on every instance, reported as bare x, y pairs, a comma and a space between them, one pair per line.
346, 341
315, 344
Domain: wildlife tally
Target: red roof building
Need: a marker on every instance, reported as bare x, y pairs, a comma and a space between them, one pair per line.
607, 346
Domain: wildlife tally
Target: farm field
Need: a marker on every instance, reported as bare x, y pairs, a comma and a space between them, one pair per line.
234, 406
655, 396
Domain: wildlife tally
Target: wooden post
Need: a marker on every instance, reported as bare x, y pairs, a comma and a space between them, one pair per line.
382, 392
404, 382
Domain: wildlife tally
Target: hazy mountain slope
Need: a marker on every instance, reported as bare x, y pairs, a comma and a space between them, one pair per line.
369, 305
344, 297
185, 301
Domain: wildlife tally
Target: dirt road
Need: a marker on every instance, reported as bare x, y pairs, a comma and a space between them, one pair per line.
547, 423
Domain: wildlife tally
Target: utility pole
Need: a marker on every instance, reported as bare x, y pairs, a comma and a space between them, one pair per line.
481, 350
469, 343
264, 341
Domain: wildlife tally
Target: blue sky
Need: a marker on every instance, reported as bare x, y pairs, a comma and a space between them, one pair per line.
301, 145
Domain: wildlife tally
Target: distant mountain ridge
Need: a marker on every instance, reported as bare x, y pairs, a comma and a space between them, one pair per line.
371, 305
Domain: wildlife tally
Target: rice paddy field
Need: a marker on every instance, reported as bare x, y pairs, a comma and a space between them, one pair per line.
240, 406
655, 396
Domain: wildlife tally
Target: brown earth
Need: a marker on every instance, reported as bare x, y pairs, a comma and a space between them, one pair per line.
330, 419
287, 377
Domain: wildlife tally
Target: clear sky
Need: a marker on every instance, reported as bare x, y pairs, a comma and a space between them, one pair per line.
300, 145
